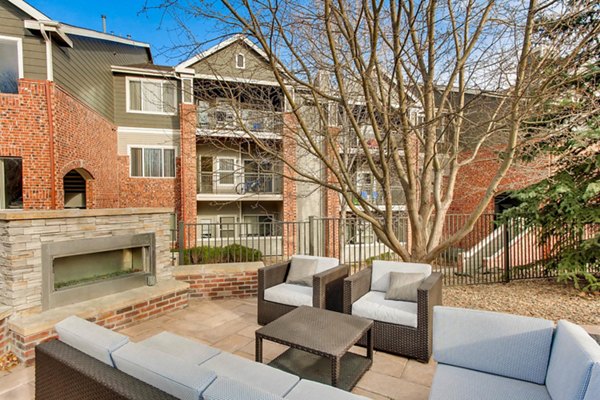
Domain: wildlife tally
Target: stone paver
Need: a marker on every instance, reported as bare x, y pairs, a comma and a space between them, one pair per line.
230, 325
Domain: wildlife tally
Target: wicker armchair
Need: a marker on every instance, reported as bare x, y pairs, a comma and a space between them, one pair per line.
408, 341
327, 290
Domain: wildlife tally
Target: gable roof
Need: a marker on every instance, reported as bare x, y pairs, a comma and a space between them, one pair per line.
225, 43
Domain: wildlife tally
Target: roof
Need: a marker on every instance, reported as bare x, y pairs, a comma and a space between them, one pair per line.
145, 69
40, 18
220, 46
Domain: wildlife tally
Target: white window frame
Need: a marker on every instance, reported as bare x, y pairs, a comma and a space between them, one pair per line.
217, 169
234, 223
142, 80
187, 84
243, 59
245, 224
149, 146
19, 42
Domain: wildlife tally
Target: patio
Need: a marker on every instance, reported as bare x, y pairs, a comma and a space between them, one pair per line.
229, 325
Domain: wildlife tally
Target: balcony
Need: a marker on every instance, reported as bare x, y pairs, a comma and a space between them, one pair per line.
375, 196
229, 122
226, 186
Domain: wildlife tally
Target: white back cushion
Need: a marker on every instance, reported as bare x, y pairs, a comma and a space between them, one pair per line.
89, 338
173, 375
380, 274
323, 263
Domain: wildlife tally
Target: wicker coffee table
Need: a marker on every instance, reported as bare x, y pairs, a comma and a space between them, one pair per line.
319, 341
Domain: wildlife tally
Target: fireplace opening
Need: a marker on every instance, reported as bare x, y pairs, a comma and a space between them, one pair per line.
85, 268
79, 270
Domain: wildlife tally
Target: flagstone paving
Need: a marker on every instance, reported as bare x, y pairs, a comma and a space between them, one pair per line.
229, 325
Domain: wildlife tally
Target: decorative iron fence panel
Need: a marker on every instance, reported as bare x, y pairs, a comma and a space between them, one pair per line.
489, 253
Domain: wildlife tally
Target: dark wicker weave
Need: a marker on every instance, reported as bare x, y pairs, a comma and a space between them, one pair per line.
399, 339
327, 290
320, 332
64, 373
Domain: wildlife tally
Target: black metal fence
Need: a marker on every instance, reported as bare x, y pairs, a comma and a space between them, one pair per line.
490, 253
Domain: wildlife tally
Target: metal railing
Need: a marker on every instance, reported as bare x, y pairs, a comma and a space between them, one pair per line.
375, 196
229, 119
490, 253
226, 182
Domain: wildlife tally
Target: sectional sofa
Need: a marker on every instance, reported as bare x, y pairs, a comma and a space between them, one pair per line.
492, 356
91, 362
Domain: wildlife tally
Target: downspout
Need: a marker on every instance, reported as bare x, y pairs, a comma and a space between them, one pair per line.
50, 116
51, 139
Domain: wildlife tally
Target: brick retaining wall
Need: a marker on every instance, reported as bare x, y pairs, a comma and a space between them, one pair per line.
220, 281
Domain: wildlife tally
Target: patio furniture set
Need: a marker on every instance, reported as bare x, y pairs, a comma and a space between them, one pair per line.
311, 305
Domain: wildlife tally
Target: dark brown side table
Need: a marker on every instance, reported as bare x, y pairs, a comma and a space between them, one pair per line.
319, 341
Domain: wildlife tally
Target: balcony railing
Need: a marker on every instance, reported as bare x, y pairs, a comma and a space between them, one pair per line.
228, 119
375, 196
225, 182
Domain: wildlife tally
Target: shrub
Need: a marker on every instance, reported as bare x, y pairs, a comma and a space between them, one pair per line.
216, 255
388, 256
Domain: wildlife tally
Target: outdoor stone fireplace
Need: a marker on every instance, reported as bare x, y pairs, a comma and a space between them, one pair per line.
83, 269
110, 266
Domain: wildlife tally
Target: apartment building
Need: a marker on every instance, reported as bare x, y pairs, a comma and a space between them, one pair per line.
89, 121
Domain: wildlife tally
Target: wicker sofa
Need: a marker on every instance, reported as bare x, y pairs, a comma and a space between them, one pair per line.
326, 291
91, 362
411, 339
485, 355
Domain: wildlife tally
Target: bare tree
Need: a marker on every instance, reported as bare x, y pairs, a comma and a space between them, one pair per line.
407, 91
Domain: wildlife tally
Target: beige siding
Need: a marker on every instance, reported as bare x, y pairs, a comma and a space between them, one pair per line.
222, 64
85, 69
34, 49
124, 118
146, 139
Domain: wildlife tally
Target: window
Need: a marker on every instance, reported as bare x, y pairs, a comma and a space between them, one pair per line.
187, 91
152, 96
152, 162
11, 64
227, 227
207, 228
240, 61
259, 225
226, 169
11, 182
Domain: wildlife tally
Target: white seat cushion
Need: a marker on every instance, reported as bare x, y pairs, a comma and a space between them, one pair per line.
290, 294
252, 373
178, 346
380, 273
306, 389
89, 338
373, 305
170, 374
224, 388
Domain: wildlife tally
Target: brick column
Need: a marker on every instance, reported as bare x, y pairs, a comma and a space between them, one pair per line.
332, 207
186, 172
289, 185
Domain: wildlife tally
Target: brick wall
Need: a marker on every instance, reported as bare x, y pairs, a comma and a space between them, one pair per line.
290, 213
85, 140
25, 133
144, 192
24, 346
186, 200
474, 178
214, 286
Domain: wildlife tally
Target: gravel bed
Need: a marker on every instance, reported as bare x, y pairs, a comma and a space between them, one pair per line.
544, 298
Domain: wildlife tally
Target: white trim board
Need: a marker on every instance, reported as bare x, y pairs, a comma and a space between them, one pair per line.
235, 79
152, 131
28, 9
74, 30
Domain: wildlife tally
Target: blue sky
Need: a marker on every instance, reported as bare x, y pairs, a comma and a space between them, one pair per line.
127, 17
